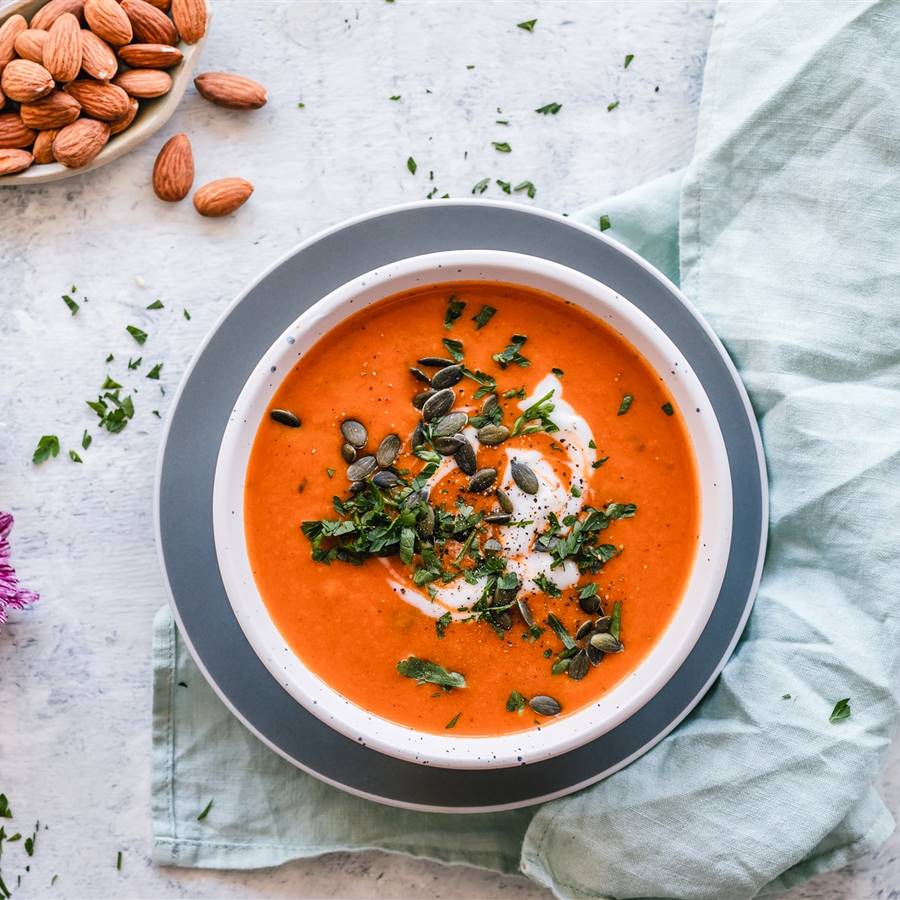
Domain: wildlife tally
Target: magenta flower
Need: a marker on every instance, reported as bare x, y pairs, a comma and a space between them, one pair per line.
11, 595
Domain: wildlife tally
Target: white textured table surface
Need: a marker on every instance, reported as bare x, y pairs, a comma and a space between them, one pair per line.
75, 672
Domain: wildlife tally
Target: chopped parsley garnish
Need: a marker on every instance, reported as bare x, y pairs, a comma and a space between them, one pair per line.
501, 146
611, 106
187, 315
526, 186
527, 26
625, 405
580, 543
576, 491
132, 365
604, 222
592, 444
841, 711
5, 811
586, 591
470, 67
443, 623
485, 314
205, 812
154, 372
514, 393
156, 304
73, 306
549, 109
628, 58
536, 417
411, 165
547, 586
453, 721
561, 632
668, 409
454, 348
119, 860
482, 186
511, 354
425, 672
395, 97
110, 385
47, 446
785, 696
301, 105
110, 358
136, 333
73, 455
504, 186
454, 310
599, 462
515, 702
487, 383
329, 473
501, 121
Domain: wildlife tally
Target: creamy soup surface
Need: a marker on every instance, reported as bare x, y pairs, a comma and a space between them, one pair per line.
507, 561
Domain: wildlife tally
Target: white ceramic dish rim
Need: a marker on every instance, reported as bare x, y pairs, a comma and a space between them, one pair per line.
555, 737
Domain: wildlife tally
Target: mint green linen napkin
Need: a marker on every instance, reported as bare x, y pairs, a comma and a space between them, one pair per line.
783, 232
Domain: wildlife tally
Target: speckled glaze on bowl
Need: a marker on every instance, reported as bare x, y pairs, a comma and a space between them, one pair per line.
151, 115
555, 736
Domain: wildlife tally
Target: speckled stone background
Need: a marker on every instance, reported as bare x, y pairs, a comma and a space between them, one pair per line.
75, 671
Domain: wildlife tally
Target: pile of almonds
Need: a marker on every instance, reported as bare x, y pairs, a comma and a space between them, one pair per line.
65, 88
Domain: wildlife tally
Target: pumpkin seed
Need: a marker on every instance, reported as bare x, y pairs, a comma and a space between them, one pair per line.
525, 610
446, 377
354, 433
465, 456
595, 656
418, 436
348, 452
490, 403
544, 705
503, 499
356, 487
421, 397
492, 547
602, 625
504, 620
584, 629
606, 642
452, 423
561, 665
435, 362
482, 480
524, 477
388, 451
438, 404
578, 668
419, 375
447, 446
362, 468
501, 518
590, 604
387, 479
285, 417
491, 435
425, 524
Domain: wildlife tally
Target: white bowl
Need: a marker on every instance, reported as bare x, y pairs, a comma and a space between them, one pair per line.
555, 737
151, 114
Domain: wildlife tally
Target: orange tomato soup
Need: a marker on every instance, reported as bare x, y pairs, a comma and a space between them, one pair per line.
352, 624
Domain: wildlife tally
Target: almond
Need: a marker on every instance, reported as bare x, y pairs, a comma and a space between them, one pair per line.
233, 91
98, 100
222, 197
53, 111
30, 44
12, 161
150, 56
150, 25
2, 99
77, 144
43, 147
127, 119
97, 58
9, 31
48, 14
160, 4
108, 21
62, 52
190, 19
14, 133
144, 82
173, 171
24, 81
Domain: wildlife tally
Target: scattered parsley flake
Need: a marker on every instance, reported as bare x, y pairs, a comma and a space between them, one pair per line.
599, 462
132, 365
47, 446
576, 491
592, 444
187, 315
5, 811
453, 721
156, 413
426, 672
110, 358
454, 310
841, 711
604, 222
411, 165
136, 333
395, 97
485, 314
109, 384
668, 409
329, 473
470, 67
482, 186
205, 812
454, 348
504, 186
549, 109
625, 405
611, 106
154, 372
628, 58
501, 121
156, 304
73, 455
501, 146
443, 623
527, 26
785, 696
526, 186
73, 306
515, 703
119, 861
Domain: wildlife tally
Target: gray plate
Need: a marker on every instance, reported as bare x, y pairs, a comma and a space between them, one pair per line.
188, 459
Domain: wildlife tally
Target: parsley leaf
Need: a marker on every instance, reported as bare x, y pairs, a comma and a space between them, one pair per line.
73, 306
443, 623
411, 165
611, 106
454, 310
668, 409
424, 672
526, 186
454, 348
504, 186
47, 446
156, 304
484, 316
625, 405
73, 455
136, 333
501, 146
154, 372
549, 109
604, 222
516, 702
527, 26
453, 721
628, 58
482, 186
841, 711
205, 812
511, 354
547, 586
